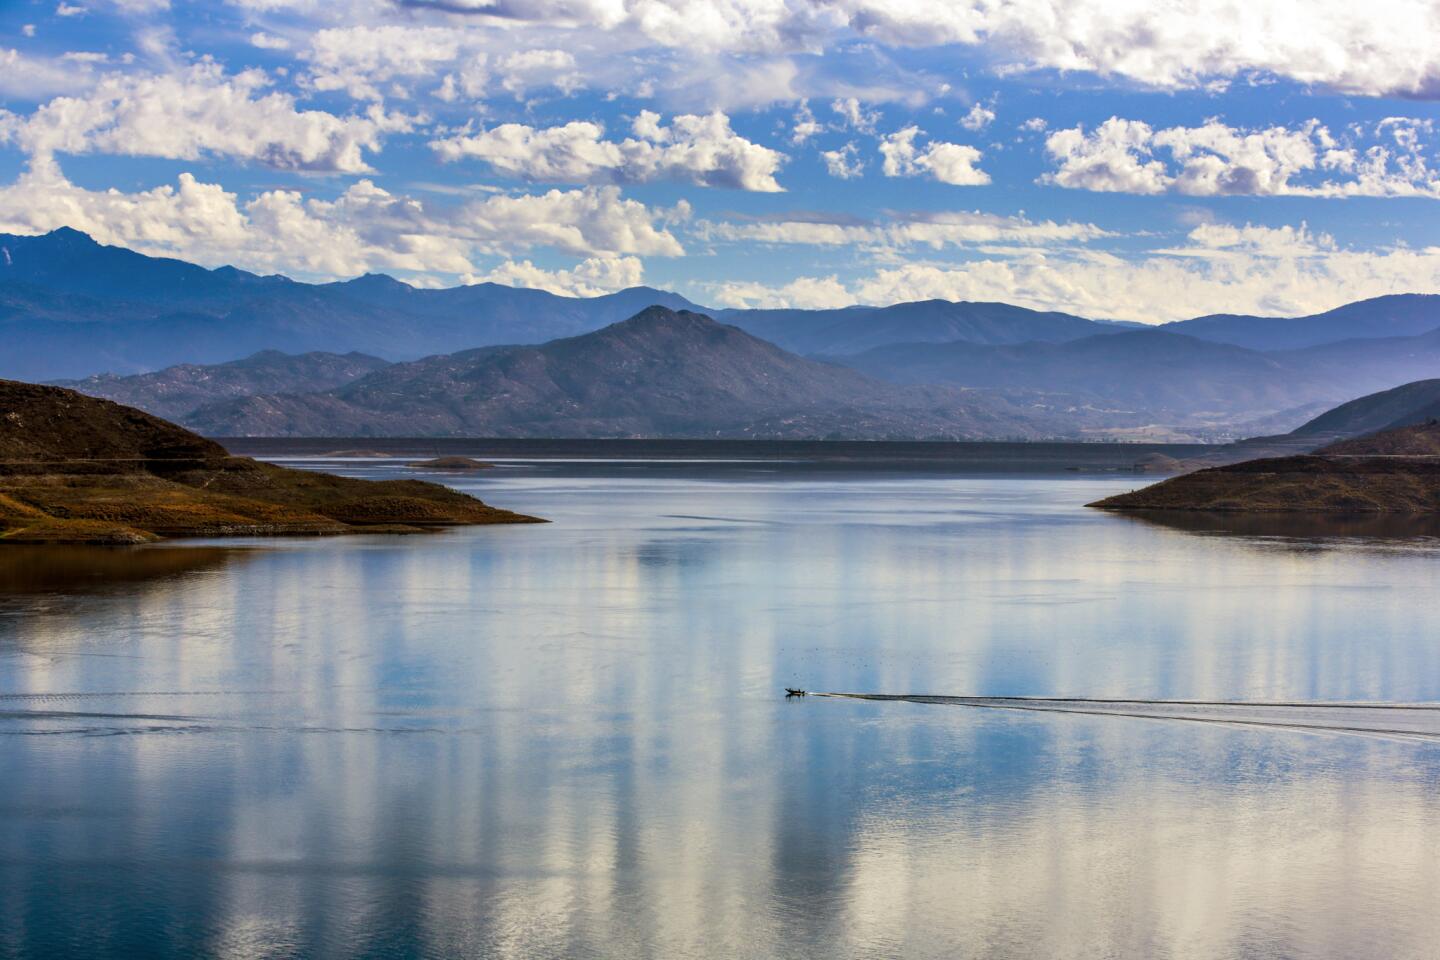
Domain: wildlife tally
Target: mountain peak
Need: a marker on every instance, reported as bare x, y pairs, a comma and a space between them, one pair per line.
72, 236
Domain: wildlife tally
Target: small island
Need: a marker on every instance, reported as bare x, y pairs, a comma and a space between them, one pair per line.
76, 469
452, 463
1393, 471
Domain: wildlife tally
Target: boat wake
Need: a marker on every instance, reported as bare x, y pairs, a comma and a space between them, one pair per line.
1409, 721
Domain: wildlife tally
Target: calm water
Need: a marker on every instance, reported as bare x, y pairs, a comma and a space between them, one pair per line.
567, 741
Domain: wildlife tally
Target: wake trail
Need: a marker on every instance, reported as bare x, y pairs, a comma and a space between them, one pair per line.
1410, 721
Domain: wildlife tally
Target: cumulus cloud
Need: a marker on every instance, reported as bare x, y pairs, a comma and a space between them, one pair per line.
200, 112
696, 149
844, 162
589, 278
1214, 159
950, 163
527, 69
979, 117
364, 228
806, 125
369, 62
853, 116
267, 41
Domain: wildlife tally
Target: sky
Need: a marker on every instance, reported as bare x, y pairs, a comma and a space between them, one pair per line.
1118, 159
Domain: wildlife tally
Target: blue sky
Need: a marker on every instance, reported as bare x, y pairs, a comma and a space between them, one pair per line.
1145, 161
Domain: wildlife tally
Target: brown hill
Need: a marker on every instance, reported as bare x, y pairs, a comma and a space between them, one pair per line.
1302, 484
78, 469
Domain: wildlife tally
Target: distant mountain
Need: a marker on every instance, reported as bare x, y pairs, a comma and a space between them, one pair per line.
1166, 374
81, 308
1401, 406
1140, 370
658, 374
856, 329
175, 392
1400, 315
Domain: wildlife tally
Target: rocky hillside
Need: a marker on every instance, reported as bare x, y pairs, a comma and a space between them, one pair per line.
661, 373
78, 469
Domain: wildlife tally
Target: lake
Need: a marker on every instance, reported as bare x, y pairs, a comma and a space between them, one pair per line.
571, 740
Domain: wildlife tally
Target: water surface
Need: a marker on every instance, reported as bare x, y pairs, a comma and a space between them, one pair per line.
568, 740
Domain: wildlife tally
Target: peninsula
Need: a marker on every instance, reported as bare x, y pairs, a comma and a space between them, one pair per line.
1394, 471
82, 470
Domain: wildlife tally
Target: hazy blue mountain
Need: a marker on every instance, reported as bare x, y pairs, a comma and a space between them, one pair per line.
1400, 315
1401, 406
1135, 370
175, 392
855, 329
80, 308
658, 374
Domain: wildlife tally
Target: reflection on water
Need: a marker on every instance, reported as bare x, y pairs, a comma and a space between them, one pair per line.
567, 741
1383, 530
78, 568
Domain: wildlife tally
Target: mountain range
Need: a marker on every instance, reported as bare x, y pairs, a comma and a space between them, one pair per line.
659, 373
174, 337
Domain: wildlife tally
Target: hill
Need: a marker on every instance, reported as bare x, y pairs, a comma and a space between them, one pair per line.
177, 391
79, 469
1298, 484
659, 374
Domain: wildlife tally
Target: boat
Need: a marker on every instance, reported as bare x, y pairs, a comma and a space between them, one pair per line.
792, 692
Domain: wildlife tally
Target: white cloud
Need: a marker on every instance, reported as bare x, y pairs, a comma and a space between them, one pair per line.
266, 41
806, 293
855, 117
528, 69
360, 60
1115, 158
69, 10
201, 111
364, 228
933, 229
1215, 160
979, 117
1381, 48
589, 278
950, 163
805, 125
844, 163
25, 76
696, 149
28, 29
1218, 269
